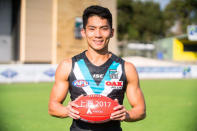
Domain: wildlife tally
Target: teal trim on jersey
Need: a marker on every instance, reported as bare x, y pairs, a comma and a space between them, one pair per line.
97, 89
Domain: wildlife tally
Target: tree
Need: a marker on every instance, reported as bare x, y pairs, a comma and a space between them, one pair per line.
147, 21
139, 21
183, 12
125, 13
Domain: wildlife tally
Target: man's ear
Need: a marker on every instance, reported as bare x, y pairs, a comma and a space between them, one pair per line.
83, 32
112, 33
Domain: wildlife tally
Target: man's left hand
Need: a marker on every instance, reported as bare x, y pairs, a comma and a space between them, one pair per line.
119, 114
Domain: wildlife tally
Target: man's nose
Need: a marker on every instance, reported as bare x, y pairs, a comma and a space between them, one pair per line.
97, 33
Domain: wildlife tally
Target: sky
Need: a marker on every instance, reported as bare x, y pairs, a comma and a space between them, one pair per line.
163, 3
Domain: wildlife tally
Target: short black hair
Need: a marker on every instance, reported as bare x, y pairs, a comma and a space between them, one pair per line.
96, 10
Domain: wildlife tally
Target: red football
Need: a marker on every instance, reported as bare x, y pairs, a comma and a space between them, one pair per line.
95, 108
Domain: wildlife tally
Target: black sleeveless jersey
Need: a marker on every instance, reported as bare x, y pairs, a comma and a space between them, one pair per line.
108, 80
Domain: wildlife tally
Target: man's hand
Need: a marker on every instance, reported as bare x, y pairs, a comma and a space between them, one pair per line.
120, 113
71, 112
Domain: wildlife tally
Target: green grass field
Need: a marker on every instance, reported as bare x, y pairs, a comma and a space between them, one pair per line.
171, 106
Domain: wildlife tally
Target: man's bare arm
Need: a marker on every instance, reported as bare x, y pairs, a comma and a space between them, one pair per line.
134, 95
59, 92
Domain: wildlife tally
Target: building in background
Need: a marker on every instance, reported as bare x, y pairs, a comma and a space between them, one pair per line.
138, 49
178, 48
45, 31
9, 30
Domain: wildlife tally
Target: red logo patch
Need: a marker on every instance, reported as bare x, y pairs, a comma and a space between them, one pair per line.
114, 83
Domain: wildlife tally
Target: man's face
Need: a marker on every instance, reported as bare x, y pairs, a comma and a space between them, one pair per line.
97, 33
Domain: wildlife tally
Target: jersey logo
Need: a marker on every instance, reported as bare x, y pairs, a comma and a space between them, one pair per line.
114, 84
113, 74
98, 76
80, 83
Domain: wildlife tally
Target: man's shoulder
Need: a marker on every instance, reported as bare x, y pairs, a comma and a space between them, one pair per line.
117, 58
78, 56
66, 62
63, 69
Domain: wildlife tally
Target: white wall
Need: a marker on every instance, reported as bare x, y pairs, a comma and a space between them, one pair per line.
46, 72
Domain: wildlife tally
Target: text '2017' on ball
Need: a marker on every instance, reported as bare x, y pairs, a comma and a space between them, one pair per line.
95, 108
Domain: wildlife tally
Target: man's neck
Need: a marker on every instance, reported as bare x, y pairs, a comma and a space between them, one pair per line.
96, 57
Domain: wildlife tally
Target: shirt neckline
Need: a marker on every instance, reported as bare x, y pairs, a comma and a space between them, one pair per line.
102, 65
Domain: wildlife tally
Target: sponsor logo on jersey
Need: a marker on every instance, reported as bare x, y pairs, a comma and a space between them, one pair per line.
114, 84
80, 83
98, 76
113, 74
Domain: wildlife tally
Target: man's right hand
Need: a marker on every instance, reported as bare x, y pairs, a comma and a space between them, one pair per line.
71, 111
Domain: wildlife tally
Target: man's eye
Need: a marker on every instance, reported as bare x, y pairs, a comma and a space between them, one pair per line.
105, 28
91, 28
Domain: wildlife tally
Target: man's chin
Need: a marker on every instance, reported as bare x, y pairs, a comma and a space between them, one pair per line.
100, 50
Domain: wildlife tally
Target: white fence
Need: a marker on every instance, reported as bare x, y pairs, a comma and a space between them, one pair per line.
167, 72
46, 72
27, 73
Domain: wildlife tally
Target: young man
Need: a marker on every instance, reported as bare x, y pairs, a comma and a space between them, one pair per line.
97, 65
